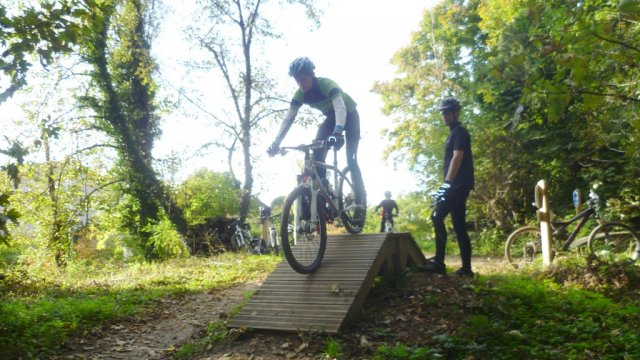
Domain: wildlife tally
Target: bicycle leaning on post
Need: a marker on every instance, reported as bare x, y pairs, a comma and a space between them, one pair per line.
608, 240
313, 204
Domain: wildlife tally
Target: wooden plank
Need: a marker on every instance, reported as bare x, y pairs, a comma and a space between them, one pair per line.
325, 300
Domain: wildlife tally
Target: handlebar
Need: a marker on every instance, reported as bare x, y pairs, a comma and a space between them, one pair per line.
316, 144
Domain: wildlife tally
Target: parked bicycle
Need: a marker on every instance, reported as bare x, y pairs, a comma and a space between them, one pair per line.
273, 246
241, 237
313, 204
608, 240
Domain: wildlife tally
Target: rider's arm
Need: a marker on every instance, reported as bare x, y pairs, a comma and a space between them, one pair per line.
395, 206
341, 112
454, 165
286, 124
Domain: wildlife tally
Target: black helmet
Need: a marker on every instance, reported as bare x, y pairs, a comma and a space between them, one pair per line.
387, 193
449, 104
301, 65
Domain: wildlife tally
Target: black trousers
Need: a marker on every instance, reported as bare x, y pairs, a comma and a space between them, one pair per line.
352, 140
456, 205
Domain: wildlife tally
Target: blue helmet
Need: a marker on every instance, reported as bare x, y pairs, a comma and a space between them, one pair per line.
301, 65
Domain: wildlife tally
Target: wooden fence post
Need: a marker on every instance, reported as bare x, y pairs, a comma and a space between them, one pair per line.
544, 216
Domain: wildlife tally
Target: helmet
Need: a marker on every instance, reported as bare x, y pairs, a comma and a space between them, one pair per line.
449, 104
301, 65
387, 193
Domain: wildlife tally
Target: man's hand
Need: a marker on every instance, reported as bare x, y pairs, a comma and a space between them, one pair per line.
443, 192
273, 149
336, 140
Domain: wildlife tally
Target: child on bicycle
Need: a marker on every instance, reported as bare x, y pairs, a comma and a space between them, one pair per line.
340, 114
387, 205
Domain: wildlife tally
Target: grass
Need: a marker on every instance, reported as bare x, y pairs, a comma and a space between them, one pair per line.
332, 349
575, 310
41, 307
530, 317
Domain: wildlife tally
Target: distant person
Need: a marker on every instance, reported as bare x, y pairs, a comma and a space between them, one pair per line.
340, 114
452, 195
387, 205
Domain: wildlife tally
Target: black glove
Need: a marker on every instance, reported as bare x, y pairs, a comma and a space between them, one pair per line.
273, 149
336, 140
443, 192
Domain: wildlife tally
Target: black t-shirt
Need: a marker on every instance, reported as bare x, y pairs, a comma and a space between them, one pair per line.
459, 139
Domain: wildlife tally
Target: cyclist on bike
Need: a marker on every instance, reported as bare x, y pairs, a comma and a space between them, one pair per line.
340, 114
387, 205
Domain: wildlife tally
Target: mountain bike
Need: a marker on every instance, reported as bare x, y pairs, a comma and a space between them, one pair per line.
241, 237
274, 246
388, 223
608, 240
388, 226
315, 202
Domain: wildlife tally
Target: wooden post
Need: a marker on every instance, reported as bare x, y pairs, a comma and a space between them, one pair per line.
544, 216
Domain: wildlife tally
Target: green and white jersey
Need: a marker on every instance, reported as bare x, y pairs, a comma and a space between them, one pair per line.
320, 96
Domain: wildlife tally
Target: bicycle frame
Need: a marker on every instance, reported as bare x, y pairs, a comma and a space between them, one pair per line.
243, 234
583, 216
310, 179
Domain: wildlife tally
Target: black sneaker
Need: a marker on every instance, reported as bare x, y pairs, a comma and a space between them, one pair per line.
462, 272
433, 266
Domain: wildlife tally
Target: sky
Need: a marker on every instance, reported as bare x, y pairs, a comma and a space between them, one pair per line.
353, 47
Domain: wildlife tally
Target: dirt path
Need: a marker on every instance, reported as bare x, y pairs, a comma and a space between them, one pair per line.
157, 336
179, 320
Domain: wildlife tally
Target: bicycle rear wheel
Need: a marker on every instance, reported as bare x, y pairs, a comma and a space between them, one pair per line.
614, 242
352, 213
304, 239
524, 247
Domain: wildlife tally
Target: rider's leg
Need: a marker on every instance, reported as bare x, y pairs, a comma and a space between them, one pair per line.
324, 130
352, 137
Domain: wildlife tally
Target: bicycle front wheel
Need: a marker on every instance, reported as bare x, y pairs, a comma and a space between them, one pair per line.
614, 242
524, 246
352, 204
304, 238
236, 242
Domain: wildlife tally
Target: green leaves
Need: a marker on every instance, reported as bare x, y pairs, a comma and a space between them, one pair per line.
8, 214
45, 30
561, 79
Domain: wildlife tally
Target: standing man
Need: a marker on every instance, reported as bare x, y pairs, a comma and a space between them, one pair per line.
452, 195
340, 114
387, 205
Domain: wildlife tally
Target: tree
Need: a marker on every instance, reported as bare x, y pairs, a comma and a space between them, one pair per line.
117, 47
248, 85
48, 29
207, 194
549, 90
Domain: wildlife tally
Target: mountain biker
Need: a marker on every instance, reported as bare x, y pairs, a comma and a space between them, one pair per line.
387, 205
340, 114
452, 195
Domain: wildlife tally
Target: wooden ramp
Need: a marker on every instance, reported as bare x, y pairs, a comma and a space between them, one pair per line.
326, 300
